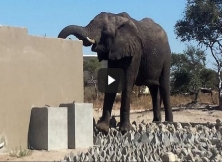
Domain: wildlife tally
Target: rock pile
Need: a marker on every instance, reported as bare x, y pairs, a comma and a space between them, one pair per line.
157, 142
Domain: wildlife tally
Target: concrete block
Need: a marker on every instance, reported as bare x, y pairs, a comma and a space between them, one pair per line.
48, 128
80, 124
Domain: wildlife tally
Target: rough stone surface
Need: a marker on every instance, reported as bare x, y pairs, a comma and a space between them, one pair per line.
168, 157
157, 142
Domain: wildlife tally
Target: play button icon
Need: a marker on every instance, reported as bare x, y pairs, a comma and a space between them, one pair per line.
110, 80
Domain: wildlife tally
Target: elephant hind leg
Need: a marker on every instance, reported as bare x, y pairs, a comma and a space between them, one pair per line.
165, 93
154, 91
166, 102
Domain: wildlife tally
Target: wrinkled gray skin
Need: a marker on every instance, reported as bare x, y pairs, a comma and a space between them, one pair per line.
141, 49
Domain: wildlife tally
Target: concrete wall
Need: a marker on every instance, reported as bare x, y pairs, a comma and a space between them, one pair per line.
35, 71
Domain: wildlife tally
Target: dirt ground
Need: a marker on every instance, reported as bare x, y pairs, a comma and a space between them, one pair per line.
180, 115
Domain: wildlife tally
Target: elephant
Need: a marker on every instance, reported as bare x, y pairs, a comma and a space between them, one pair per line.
141, 49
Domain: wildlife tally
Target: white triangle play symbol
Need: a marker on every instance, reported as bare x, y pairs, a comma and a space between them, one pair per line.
110, 80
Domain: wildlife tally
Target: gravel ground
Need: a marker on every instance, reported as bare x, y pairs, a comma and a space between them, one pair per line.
154, 142
202, 114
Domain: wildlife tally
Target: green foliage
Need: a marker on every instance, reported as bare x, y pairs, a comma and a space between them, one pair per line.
208, 78
195, 58
181, 80
192, 59
188, 71
178, 61
91, 66
202, 22
195, 64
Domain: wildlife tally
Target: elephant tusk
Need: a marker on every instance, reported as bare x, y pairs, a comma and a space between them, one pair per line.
91, 40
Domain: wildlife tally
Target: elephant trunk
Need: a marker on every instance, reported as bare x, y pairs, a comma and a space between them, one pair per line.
78, 31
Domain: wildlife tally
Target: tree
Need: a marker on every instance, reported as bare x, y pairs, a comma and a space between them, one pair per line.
186, 70
196, 63
180, 80
208, 78
178, 61
91, 66
180, 77
202, 22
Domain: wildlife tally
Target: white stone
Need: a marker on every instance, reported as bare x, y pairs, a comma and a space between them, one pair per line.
169, 157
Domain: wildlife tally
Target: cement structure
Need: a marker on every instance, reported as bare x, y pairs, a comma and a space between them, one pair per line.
35, 71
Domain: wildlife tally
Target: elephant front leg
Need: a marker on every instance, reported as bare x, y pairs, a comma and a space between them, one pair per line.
125, 105
104, 122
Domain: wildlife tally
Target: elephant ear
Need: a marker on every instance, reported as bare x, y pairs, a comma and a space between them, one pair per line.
126, 41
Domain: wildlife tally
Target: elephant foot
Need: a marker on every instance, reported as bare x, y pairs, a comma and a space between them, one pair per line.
157, 119
125, 127
169, 119
103, 127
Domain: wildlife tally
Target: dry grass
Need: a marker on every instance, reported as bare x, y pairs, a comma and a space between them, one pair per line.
206, 98
145, 102
19, 152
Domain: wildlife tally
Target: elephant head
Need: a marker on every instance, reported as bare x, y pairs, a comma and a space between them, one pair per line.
112, 36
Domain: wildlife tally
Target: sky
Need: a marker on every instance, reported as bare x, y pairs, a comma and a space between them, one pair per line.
49, 17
